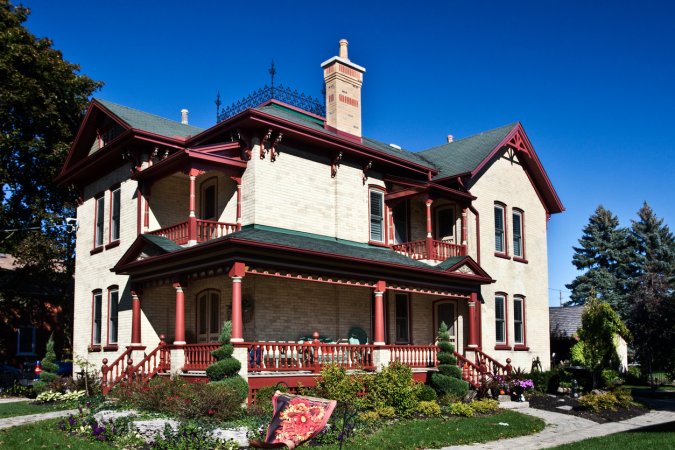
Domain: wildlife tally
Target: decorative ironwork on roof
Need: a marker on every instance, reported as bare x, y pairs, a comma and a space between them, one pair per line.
281, 93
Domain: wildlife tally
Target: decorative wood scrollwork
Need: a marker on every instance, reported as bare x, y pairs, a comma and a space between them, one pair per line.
335, 164
263, 143
273, 149
366, 168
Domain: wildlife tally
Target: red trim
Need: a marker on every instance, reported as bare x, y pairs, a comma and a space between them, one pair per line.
409, 316
113, 244
110, 348
502, 255
96, 250
475, 213
139, 208
505, 344
97, 197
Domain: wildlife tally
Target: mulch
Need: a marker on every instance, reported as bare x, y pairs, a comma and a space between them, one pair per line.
550, 402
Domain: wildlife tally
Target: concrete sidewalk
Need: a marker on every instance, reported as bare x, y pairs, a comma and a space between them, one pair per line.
9, 422
564, 428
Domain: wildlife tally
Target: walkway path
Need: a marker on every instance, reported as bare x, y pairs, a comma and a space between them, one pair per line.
9, 422
564, 428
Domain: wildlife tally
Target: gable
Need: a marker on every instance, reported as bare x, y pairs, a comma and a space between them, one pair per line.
146, 246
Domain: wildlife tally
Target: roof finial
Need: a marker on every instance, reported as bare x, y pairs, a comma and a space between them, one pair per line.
272, 72
218, 103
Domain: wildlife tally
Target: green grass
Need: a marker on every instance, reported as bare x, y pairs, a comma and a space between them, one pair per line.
656, 437
44, 434
435, 433
25, 408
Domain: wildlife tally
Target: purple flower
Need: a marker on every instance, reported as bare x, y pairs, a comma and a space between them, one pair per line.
88, 404
71, 420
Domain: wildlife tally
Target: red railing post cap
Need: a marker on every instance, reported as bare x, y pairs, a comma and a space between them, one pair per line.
105, 361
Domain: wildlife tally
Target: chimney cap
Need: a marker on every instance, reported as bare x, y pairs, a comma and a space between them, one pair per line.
184, 116
450, 138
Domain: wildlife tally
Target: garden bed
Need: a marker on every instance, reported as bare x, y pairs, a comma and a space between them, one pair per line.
549, 402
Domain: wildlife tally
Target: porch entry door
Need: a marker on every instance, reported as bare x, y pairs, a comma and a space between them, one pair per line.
208, 316
447, 312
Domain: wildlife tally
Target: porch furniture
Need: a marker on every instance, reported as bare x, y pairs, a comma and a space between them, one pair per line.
359, 334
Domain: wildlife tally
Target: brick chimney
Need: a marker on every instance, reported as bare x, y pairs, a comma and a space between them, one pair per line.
184, 116
343, 81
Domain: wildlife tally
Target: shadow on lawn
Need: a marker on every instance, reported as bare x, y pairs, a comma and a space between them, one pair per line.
667, 427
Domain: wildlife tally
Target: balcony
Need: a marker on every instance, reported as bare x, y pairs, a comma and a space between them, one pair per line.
205, 231
430, 250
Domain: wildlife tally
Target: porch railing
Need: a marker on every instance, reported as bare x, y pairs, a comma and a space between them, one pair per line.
116, 371
293, 357
471, 373
440, 250
206, 230
423, 356
492, 366
198, 356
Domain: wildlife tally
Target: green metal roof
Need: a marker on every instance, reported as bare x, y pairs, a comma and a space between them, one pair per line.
161, 242
464, 155
150, 122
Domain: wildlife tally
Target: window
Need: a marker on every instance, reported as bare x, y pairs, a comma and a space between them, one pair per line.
96, 317
113, 300
500, 319
209, 199
115, 215
500, 246
376, 215
519, 321
400, 216
208, 316
445, 223
518, 243
99, 213
446, 313
25, 341
402, 319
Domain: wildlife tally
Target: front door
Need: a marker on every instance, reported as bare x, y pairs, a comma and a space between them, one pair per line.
447, 312
208, 316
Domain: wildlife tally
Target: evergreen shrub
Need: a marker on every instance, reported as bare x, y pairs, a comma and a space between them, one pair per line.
225, 370
448, 380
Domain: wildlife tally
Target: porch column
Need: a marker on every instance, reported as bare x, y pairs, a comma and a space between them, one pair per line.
380, 289
463, 221
192, 218
473, 326
135, 319
179, 335
237, 272
238, 181
429, 240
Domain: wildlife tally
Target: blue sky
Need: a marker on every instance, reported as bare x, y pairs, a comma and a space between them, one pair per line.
592, 82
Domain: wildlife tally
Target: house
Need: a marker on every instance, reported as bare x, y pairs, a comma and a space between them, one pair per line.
564, 324
285, 219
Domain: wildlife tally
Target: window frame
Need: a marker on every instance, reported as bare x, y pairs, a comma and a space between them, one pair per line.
33, 333
383, 222
96, 297
408, 315
502, 345
521, 346
518, 212
504, 253
112, 344
99, 220
112, 226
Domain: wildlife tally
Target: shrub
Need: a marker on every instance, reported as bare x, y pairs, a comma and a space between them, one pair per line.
610, 378
620, 398
429, 408
191, 435
223, 352
485, 406
577, 354
395, 387
49, 368
634, 375
237, 384
369, 416
426, 393
448, 380
461, 409
386, 412
226, 369
335, 384
263, 397
449, 399
543, 381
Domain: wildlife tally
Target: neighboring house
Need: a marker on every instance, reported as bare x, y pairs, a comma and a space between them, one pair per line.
564, 323
283, 218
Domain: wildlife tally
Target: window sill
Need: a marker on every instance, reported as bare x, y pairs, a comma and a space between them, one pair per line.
378, 244
110, 348
521, 348
502, 255
96, 250
113, 244
520, 260
502, 347
94, 348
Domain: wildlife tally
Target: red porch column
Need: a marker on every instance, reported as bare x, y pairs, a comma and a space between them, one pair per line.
135, 319
430, 238
179, 335
238, 181
472, 322
237, 272
464, 217
380, 289
192, 217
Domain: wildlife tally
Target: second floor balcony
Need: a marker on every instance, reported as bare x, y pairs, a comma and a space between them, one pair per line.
204, 230
430, 249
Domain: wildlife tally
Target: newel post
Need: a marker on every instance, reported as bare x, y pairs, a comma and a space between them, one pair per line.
104, 376
315, 344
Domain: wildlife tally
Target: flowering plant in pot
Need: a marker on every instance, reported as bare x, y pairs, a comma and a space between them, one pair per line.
519, 387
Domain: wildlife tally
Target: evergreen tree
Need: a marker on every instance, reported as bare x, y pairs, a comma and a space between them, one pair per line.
42, 101
603, 255
225, 371
448, 380
49, 368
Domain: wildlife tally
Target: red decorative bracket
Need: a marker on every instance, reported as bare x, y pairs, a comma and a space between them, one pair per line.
273, 148
263, 143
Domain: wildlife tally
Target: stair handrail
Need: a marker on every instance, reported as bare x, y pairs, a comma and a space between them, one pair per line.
471, 372
116, 371
151, 364
493, 366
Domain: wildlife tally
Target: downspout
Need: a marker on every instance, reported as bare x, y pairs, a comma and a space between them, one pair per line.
475, 213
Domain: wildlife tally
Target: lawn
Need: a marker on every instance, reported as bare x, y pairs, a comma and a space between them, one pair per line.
25, 408
657, 436
435, 433
44, 434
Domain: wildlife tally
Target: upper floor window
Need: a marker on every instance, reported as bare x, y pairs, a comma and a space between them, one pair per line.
376, 215
500, 244
209, 199
500, 319
518, 320
99, 214
113, 303
445, 223
115, 197
402, 319
518, 241
96, 317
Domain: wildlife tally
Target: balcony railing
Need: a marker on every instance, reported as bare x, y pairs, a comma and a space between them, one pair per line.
438, 251
206, 230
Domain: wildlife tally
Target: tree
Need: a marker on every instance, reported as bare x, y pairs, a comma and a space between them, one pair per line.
651, 316
448, 380
600, 325
225, 371
603, 254
49, 368
42, 101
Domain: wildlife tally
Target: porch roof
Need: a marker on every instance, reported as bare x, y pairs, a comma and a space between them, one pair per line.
301, 242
